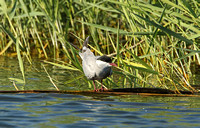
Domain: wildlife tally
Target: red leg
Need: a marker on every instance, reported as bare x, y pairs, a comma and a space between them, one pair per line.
95, 89
102, 88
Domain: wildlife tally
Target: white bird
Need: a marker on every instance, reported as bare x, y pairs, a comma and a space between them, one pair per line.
95, 67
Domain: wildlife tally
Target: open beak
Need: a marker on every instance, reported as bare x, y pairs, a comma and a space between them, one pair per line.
113, 64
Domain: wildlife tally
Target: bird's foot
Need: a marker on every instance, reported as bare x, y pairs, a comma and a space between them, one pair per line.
96, 90
102, 89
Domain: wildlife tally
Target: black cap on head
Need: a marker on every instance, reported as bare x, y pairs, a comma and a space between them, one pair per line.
105, 59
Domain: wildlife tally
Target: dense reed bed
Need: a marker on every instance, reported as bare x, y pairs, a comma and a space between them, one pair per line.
153, 42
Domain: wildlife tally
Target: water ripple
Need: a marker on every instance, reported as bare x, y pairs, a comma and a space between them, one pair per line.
64, 110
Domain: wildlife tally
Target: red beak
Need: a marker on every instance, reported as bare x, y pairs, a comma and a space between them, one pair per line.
113, 64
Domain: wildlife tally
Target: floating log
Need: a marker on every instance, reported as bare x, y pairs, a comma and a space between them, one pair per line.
121, 91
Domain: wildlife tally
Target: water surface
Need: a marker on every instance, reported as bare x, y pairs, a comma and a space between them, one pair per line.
66, 110
36, 77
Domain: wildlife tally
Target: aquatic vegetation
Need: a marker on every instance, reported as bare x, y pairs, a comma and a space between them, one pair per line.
154, 43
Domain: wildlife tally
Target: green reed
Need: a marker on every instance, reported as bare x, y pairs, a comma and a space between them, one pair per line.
153, 42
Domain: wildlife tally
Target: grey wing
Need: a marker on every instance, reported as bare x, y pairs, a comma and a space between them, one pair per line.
106, 72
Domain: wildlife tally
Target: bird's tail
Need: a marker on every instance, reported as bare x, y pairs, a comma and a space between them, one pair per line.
85, 44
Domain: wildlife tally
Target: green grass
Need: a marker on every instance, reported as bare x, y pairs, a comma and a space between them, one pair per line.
153, 42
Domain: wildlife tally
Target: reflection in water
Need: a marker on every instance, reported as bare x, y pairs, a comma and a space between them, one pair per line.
65, 110
36, 77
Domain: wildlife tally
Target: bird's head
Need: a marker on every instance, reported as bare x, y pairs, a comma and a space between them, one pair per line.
105, 60
113, 64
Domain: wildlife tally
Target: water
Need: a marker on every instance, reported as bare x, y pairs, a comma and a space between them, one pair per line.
52, 110
66, 110
36, 77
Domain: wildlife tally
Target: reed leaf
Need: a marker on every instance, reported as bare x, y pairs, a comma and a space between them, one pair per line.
158, 39
21, 65
121, 32
17, 80
168, 31
69, 67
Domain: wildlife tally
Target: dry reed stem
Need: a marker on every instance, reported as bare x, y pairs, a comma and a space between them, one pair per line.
50, 78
